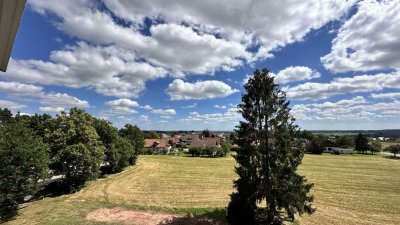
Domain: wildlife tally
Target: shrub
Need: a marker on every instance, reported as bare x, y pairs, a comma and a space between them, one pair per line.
375, 146
394, 149
316, 146
226, 147
195, 151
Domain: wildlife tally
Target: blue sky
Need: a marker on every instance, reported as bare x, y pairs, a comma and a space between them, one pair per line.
181, 66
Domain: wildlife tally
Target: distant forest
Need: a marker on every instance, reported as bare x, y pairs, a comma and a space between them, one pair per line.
390, 133
369, 133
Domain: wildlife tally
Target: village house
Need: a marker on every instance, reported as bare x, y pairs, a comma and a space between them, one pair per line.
188, 138
157, 146
329, 146
206, 142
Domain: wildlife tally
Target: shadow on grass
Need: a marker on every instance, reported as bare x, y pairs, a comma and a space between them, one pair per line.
391, 157
8, 215
193, 220
212, 217
53, 189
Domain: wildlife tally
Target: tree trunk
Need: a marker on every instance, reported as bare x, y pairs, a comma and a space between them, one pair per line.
271, 212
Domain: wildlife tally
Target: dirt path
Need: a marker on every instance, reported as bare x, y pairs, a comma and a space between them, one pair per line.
133, 217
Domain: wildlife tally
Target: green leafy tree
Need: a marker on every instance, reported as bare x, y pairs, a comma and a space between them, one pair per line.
6, 116
316, 146
76, 149
24, 161
268, 157
118, 150
152, 135
41, 125
135, 136
206, 133
394, 149
345, 141
374, 146
233, 137
226, 147
22, 119
361, 143
306, 134
125, 154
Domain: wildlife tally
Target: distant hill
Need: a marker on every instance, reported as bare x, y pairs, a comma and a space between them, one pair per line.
370, 133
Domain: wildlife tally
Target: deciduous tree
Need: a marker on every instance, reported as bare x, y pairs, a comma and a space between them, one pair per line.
316, 146
394, 149
374, 146
24, 161
118, 151
152, 135
77, 151
135, 136
5, 116
206, 133
361, 143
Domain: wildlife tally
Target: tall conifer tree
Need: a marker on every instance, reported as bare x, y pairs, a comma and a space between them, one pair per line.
268, 157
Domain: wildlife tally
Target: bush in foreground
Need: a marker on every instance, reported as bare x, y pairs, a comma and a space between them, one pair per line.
24, 161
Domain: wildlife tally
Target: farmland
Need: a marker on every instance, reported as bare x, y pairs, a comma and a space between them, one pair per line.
351, 189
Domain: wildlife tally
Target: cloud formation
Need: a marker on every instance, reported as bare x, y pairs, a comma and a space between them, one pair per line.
344, 85
164, 112
369, 40
108, 70
35, 93
13, 106
296, 73
181, 90
355, 109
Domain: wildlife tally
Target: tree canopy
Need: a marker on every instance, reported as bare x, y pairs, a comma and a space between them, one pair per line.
268, 157
77, 150
361, 143
135, 136
315, 146
152, 135
24, 161
345, 141
394, 149
74, 144
206, 133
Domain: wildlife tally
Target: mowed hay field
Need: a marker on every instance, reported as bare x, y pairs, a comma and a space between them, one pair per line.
349, 189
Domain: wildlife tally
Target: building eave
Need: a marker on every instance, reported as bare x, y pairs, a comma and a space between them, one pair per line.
10, 16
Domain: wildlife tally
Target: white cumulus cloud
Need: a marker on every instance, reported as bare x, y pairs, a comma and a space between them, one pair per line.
369, 40
49, 109
344, 85
296, 73
165, 112
13, 106
181, 90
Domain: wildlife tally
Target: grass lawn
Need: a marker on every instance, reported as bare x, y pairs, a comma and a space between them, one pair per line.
387, 144
349, 189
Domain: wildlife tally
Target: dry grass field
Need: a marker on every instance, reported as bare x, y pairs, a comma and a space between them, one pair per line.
387, 144
353, 189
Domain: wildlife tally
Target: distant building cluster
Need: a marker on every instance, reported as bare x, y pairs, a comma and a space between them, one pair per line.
169, 144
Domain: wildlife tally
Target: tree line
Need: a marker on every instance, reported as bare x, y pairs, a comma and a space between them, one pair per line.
74, 145
359, 143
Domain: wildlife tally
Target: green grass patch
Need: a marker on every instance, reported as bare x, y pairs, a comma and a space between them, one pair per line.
349, 189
